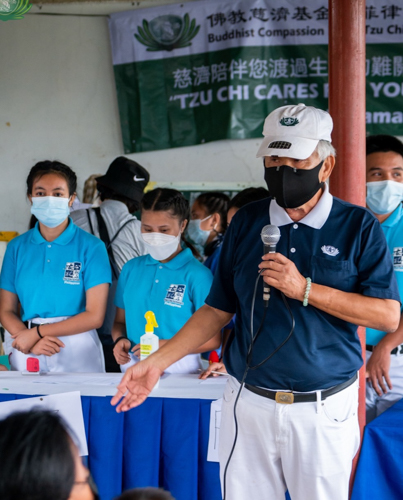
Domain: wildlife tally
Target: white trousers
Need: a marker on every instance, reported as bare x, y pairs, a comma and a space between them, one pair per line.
375, 404
82, 353
306, 448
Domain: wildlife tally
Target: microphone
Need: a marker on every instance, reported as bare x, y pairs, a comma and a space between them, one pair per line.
270, 236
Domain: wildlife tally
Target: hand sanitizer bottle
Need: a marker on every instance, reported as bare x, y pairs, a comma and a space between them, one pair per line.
149, 342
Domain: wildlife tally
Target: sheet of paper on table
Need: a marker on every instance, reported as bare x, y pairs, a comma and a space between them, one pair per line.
220, 380
66, 405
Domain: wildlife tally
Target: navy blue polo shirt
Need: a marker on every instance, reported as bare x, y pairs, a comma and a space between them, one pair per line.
337, 245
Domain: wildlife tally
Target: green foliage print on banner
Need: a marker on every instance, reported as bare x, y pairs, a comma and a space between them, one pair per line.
13, 9
167, 32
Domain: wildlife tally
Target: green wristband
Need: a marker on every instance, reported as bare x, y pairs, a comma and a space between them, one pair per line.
307, 290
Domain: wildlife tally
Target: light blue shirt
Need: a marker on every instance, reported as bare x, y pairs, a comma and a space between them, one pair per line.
393, 230
50, 278
173, 291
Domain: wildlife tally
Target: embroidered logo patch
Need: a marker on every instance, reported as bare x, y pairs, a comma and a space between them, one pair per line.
329, 250
174, 296
398, 258
289, 121
72, 273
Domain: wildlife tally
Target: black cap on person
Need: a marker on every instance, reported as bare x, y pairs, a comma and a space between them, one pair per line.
125, 177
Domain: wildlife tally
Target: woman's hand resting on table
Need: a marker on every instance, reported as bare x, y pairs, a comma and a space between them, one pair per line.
217, 367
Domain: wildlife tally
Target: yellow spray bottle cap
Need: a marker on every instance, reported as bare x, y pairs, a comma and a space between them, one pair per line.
151, 322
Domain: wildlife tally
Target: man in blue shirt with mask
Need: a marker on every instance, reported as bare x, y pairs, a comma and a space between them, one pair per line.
294, 392
384, 198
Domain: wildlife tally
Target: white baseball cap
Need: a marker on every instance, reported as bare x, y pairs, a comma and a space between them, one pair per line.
294, 131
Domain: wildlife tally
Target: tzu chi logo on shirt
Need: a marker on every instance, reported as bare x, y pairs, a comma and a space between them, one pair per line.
329, 250
174, 296
398, 258
72, 273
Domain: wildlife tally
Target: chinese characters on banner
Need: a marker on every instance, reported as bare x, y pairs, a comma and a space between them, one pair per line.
208, 70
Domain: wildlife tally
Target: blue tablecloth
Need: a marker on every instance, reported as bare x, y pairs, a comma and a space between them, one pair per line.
380, 467
161, 443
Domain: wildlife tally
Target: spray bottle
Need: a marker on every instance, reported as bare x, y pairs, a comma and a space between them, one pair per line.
149, 342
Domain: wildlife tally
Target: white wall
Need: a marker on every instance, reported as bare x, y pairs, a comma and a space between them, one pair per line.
58, 101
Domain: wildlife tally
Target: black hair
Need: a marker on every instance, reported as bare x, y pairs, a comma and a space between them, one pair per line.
247, 196
106, 193
52, 167
384, 144
215, 202
145, 494
32, 222
37, 457
172, 201
166, 200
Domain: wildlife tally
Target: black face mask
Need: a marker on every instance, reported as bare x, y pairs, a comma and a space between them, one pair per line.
292, 187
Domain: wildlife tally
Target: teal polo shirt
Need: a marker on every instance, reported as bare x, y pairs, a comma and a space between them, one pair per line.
173, 291
393, 230
51, 278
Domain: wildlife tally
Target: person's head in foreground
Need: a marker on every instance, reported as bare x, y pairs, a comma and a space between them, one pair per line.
384, 174
146, 494
298, 156
39, 460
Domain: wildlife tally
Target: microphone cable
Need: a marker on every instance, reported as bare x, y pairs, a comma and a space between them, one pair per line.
249, 356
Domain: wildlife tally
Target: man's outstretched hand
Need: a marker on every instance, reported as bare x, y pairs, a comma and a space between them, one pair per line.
136, 385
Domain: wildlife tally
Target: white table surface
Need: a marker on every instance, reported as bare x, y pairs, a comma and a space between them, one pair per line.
104, 384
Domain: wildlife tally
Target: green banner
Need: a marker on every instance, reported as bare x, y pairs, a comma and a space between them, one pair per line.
176, 87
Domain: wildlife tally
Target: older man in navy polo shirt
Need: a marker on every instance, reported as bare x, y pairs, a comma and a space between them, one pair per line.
295, 393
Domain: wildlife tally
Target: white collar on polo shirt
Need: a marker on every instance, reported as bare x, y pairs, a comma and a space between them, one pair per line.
316, 217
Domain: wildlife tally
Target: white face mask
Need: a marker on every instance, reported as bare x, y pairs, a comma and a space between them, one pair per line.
161, 246
383, 197
51, 211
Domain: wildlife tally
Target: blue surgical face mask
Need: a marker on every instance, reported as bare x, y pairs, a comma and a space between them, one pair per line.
383, 197
51, 211
196, 233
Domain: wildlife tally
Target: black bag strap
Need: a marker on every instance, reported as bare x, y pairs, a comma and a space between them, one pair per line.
104, 236
103, 230
118, 231
101, 222
89, 220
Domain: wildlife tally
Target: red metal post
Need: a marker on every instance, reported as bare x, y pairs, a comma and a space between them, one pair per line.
347, 108
347, 97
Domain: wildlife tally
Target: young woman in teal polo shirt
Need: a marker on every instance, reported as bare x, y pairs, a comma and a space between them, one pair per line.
169, 281
54, 282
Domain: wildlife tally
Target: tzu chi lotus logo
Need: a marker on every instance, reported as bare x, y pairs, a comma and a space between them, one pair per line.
13, 9
289, 121
167, 32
